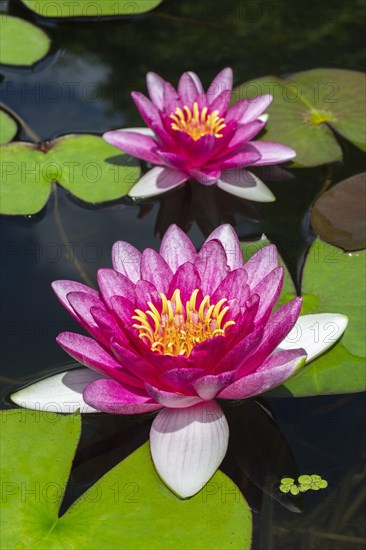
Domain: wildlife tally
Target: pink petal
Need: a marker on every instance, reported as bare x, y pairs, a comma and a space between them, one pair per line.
223, 82
188, 89
176, 248
62, 288
155, 86
171, 98
268, 289
233, 286
146, 292
112, 283
244, 133
134, 363
278, 368
279, 325
179, 380
209, 386
206, 176
212, 266
229, 240
272, 153
124, 310
260, 264
126, 260
155, 270
255, 107
159, 180
238, 354
81, 303
186, 279
197, 81
112, 397
170, 399
108, 325
147, 110
134, 144
89, 353
245, 157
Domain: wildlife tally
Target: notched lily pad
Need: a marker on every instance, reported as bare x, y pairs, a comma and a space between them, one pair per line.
128, 508
338, 216
8, 128
21, 43
86, 168
25, 183
85, 165
86, 8
308, 106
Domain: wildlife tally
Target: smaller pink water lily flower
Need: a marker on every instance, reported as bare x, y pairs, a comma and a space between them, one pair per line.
195, 135
174, 331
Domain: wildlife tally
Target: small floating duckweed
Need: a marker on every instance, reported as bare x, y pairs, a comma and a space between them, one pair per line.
304, 483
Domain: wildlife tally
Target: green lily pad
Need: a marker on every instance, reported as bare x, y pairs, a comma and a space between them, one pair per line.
338, 216
308, 106
85, 165
85, 8
8, 128
333, 282
129, 507
21, 43
90, 169
25, 184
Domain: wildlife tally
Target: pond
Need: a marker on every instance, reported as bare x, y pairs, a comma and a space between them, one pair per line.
83, 86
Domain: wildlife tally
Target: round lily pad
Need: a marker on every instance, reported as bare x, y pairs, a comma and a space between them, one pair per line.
25, 183
21, 43
8, 128
86, 8
85, 165
127, 508
307, 107
338, 216
92, 169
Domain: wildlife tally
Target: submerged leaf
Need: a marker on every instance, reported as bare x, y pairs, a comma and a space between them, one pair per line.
338, 216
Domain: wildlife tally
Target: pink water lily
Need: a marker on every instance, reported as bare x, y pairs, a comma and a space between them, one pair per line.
177, 330
195, 135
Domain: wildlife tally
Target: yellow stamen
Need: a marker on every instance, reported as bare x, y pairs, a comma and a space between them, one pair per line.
196, 125
176, 330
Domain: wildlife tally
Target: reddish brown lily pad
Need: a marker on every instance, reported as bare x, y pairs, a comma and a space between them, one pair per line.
338, 216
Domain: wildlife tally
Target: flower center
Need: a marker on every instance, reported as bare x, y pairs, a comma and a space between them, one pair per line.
176, 330
197, 124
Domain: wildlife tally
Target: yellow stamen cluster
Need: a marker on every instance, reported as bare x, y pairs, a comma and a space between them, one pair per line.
197, 124
176, 330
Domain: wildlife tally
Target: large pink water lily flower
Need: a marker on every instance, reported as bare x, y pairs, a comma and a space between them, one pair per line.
193, 134
172, 332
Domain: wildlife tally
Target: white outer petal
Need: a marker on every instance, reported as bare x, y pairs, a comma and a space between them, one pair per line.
143, 131
263, 117
246, 185
315, 333
157, 181
60, 393
188, 445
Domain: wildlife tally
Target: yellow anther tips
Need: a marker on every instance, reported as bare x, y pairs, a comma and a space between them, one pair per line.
197, 124
176, 330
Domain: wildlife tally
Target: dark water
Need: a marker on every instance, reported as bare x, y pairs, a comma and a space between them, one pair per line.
84, 86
